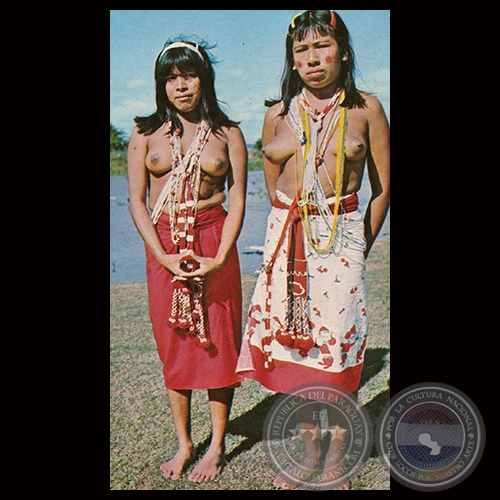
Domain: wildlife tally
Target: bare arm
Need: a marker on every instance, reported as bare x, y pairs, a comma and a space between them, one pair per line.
378, 164
271, 170
138, 185
237, 182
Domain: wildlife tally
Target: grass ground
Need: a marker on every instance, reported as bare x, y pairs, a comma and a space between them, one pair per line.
142, 434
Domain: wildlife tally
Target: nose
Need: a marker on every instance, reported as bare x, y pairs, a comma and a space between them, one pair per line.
177, 82
180, 82
312, 57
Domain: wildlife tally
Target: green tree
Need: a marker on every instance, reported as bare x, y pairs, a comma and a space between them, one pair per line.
117, 140
255, 156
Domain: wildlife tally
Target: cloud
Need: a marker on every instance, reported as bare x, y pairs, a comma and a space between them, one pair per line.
381, 75
250, 111
236, 73
122, 114
379, 81
137, 83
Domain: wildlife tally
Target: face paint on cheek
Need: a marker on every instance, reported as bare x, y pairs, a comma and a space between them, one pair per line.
329, 59
299, 64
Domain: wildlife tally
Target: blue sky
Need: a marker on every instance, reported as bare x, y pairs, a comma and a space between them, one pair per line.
250, 50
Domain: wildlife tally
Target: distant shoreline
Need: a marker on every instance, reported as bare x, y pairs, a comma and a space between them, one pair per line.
381, 247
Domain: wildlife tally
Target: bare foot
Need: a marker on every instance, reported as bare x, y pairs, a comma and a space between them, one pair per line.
174, 467
280, 483
344, 486
296, 475
284, 484
208, 467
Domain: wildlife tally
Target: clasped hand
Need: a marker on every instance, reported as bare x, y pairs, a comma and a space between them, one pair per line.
205, 265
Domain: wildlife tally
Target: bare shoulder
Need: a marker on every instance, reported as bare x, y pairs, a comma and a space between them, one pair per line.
373, 104
138, 142
137, 137
272, 121
235, 143
141, 139
273, 112
233, 134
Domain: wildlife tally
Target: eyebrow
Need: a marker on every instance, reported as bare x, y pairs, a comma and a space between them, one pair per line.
180, 73
317, 41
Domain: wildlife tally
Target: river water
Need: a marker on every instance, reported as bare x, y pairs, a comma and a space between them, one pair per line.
127, 255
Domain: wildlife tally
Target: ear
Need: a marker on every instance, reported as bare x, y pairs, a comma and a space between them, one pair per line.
345, 57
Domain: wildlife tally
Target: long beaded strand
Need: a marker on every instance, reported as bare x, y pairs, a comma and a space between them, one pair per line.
180, 194
338, 191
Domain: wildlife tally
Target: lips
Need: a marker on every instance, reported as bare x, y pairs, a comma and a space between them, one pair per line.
184, 98
315, 73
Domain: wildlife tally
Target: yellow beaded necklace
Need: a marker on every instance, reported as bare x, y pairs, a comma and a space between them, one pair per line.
306, 202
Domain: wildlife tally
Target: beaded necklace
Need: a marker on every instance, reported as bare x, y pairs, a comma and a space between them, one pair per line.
180, 196
183, 186
308, 124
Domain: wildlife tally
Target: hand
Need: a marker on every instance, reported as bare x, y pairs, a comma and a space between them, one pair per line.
173, 263
206, 265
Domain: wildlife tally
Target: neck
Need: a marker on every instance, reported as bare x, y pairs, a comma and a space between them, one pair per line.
323, 94
189, 117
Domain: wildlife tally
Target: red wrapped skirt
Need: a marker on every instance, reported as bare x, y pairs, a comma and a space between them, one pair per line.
185, 364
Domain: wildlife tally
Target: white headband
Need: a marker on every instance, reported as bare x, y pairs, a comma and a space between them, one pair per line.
181, 44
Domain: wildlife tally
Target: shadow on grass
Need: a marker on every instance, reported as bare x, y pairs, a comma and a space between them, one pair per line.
374, 409
374, 363
250, 425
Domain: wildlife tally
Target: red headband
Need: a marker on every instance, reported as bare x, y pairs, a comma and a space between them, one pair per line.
333, 20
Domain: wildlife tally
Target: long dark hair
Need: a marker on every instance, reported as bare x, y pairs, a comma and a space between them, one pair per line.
320, 22
185, 60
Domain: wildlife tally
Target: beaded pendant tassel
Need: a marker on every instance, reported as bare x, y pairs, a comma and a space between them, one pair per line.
180, 195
